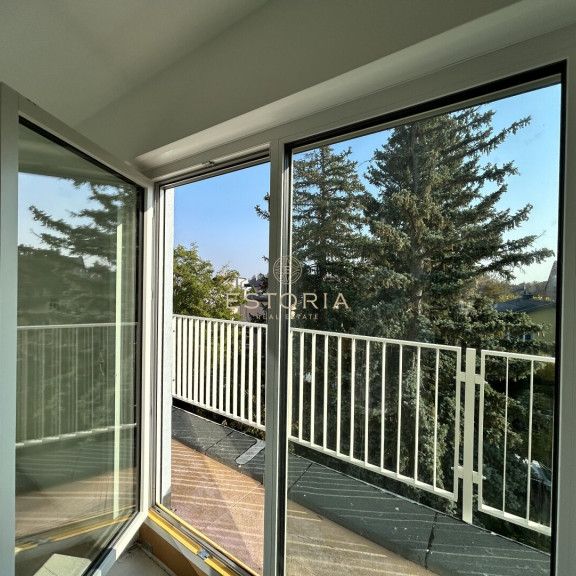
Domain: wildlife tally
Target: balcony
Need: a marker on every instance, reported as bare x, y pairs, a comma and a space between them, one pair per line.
335, 473
351, 498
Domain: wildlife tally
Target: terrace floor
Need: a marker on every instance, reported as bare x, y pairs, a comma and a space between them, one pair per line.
334, 521
228, 507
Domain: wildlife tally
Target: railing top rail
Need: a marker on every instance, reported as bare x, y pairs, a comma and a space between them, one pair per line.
233, 322
518, 356
380, 339
70, 326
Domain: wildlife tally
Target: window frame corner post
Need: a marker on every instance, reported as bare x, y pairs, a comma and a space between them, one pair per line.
9, 107
163, 247
148, 343
564, 520
275, 485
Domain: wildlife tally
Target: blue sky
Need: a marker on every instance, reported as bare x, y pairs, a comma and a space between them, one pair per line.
218, 213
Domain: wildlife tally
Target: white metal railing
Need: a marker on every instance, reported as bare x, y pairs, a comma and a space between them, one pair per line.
66, 381
219, 365
529, 365
339, 382
356, 369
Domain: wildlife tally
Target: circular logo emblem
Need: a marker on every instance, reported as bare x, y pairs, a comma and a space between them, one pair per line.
287, 269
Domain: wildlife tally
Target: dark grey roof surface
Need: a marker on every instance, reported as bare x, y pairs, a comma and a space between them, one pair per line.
524, 305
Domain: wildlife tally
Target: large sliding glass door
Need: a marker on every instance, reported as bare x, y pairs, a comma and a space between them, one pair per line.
422, 343
78, 354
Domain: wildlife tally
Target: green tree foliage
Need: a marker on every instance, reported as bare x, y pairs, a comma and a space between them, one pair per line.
199, 291
72, 277
437, 229
328, 238
495, 289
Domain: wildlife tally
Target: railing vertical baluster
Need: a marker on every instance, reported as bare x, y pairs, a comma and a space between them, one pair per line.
325, 403
352, 395
399, 428
59, 379
76, 380
180, 375
43, 384
185, 358
457, 431
290, 399
505, 462
25, 380
259, 375
338, 393
180, 346
228, 366
202, 360
176, 343
313, 390
436, 386
178, 350
250, 373
530, 414
208, 365
480, 445
196, 329
366, 401
383, 407
468, 455
417, 423
301, 388
221, 352
208, 398
235, 363
243, 375
190, 357
215, 343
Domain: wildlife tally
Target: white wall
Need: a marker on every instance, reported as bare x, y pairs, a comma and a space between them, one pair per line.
282, 48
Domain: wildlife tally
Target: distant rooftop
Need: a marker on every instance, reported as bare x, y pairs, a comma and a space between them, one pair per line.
526, 303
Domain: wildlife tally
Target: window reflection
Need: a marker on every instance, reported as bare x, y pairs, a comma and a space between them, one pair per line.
77, 355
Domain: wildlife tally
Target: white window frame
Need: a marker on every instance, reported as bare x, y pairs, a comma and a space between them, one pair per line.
13, 107
526, 56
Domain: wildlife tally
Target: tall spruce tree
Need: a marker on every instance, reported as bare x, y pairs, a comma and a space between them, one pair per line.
438, 230
75, 267
327, 233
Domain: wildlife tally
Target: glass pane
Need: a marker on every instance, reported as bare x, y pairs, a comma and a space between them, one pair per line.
421, 253
219, 364
76, 466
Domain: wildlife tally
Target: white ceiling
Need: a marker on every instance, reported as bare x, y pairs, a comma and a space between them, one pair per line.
74, 57
154, 81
